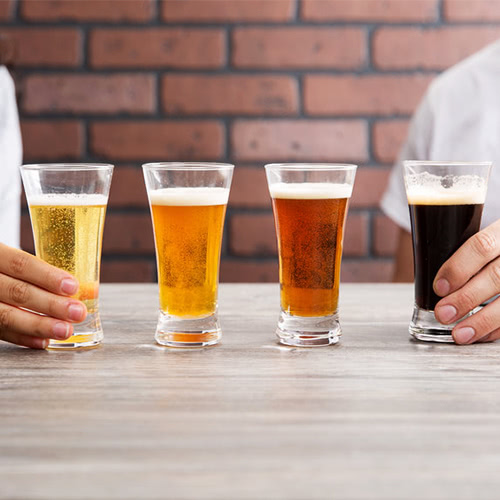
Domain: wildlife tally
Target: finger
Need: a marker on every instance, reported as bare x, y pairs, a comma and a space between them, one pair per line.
27, 267
21, 294
478, 325
491, 337
24, 340
14, 320
479, 289
468, 260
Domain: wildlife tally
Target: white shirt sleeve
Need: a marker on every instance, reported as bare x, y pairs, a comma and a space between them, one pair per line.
10, 160
417, 147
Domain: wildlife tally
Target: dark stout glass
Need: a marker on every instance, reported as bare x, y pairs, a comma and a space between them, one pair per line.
438, 231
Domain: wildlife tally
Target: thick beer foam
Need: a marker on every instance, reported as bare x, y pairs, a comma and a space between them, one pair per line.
428, 189
68, 200
310, 191
189, 196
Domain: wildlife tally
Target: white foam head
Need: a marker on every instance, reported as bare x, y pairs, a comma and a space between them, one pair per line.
189, 196
428, 189
310, 191
67, 200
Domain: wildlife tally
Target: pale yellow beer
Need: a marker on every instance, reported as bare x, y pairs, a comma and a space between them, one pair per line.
68, 233
188, 225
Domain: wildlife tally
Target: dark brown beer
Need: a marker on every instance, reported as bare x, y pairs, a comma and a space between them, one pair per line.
438, 231
310, 233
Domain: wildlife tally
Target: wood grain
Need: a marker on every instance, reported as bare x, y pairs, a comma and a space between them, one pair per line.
378, 416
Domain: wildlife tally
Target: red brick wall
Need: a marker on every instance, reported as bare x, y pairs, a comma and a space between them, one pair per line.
245, 81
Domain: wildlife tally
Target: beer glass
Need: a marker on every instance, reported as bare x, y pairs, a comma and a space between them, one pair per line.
67, 204
188, 205
446, 202
310, 207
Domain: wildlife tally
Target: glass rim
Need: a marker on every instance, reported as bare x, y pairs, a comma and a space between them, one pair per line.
341, 167
192, 165
68, 166
429, 163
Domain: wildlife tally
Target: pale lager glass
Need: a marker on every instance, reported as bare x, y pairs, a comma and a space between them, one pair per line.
67, 204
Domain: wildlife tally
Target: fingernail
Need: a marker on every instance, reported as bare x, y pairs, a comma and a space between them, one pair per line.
463, 335
442, 287
69, 286
61, 331
75, 312
446, 313
40, 343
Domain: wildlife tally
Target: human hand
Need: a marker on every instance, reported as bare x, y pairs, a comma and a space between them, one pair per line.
466, 280
26, 282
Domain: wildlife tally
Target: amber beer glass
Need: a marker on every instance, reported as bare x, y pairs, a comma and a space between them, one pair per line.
188, 205
310, 206
446, 204
67, 204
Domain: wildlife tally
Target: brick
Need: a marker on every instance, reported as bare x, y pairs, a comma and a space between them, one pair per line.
89, 94
6, 10
252, 234
342, 48
197, 11
128, 234
233, 94
157, 140
431, 48
307, 140
353, 95
356, 235
128, 189
52, 140
366, 271
388, 138
121, 11
233, 271
157, 48
127, 271
369, 187
471, 10
370, 10
249, 188
57, 47
386, 234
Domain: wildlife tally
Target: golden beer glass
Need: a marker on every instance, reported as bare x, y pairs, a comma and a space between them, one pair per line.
310, 203
188, 206
67, 204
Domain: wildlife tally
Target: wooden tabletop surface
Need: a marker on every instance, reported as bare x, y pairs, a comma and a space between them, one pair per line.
377, 416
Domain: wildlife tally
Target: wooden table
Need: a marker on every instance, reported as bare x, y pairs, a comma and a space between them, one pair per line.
377, 416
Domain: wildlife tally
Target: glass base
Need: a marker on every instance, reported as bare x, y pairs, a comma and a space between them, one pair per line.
300, 331
86, 334
424, 326
173, 331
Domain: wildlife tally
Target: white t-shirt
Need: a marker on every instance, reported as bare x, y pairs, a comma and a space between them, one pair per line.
10, 159
457, 120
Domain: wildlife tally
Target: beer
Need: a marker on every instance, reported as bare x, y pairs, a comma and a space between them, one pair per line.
440, 224
188, 226
68, 234
309, 219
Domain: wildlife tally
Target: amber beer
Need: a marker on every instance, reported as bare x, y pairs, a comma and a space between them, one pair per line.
68, 232
310, 220
188, 224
